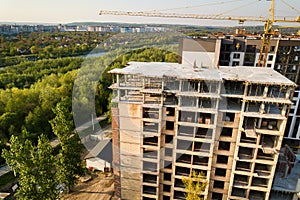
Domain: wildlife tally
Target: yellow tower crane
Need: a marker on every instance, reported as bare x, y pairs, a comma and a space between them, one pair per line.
268, 28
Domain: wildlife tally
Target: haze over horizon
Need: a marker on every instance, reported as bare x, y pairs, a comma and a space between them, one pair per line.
56, 11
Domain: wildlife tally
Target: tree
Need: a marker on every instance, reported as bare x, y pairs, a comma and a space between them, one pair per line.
69, 162
195, 185
35, 167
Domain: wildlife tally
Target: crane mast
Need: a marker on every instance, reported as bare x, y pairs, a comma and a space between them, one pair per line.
266, 37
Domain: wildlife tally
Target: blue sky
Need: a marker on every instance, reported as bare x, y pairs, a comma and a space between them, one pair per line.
64, 11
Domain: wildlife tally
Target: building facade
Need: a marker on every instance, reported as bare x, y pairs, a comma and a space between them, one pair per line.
283, 56
170, 119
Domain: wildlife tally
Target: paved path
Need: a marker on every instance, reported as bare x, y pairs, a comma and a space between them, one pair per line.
4, 169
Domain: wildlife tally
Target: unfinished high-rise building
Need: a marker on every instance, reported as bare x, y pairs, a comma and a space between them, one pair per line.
170, 119
243, 50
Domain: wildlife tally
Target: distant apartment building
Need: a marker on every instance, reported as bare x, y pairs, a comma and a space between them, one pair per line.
16, 29
170, 119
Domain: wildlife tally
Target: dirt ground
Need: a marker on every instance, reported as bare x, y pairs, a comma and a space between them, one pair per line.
99, 188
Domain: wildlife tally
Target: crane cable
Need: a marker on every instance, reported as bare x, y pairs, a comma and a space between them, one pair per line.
289, 5
248, 4
196, 6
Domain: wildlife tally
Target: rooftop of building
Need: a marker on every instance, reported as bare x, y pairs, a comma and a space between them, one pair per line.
193, 72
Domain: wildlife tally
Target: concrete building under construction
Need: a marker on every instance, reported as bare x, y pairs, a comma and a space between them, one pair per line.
169, 119
243, 49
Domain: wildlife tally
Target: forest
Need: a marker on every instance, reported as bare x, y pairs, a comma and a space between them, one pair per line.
29, 91
34, 46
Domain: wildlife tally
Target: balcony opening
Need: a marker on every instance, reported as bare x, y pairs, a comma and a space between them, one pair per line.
149, 154
230, 103
179, 195
152, 99
150, 127
152, 141
276, 92
166, 188
199, 160
222, 159
188, 101
184, 158
268, 144
262, 169
256, 90
251, 49
249, 123
245, 153
149, 166
168, 152
252, 107
169, 125
219, 184
245, 139
241, 180
182, 171
148, 198
264, 156
204, 133
205, 118
205, 103
178, 183
184, 145
224, 146
260, 182
243, 166
234, 87
237, 192
167, 177
203, 172
170, 99
186, 131
273, 109
217, 196
147, 178
204, 87
270, 124
227, 132
257, 195
185, 116
268, 140
168, 164
170, 112
168, 139
149, 190
171, 84
166, 198
202, 147
190, 86
220, 172
152, 113
229, 117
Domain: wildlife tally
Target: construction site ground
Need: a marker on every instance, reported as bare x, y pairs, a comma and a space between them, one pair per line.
99, 188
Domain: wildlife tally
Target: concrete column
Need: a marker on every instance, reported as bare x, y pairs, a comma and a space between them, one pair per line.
118, 90
266, 89
288, 93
